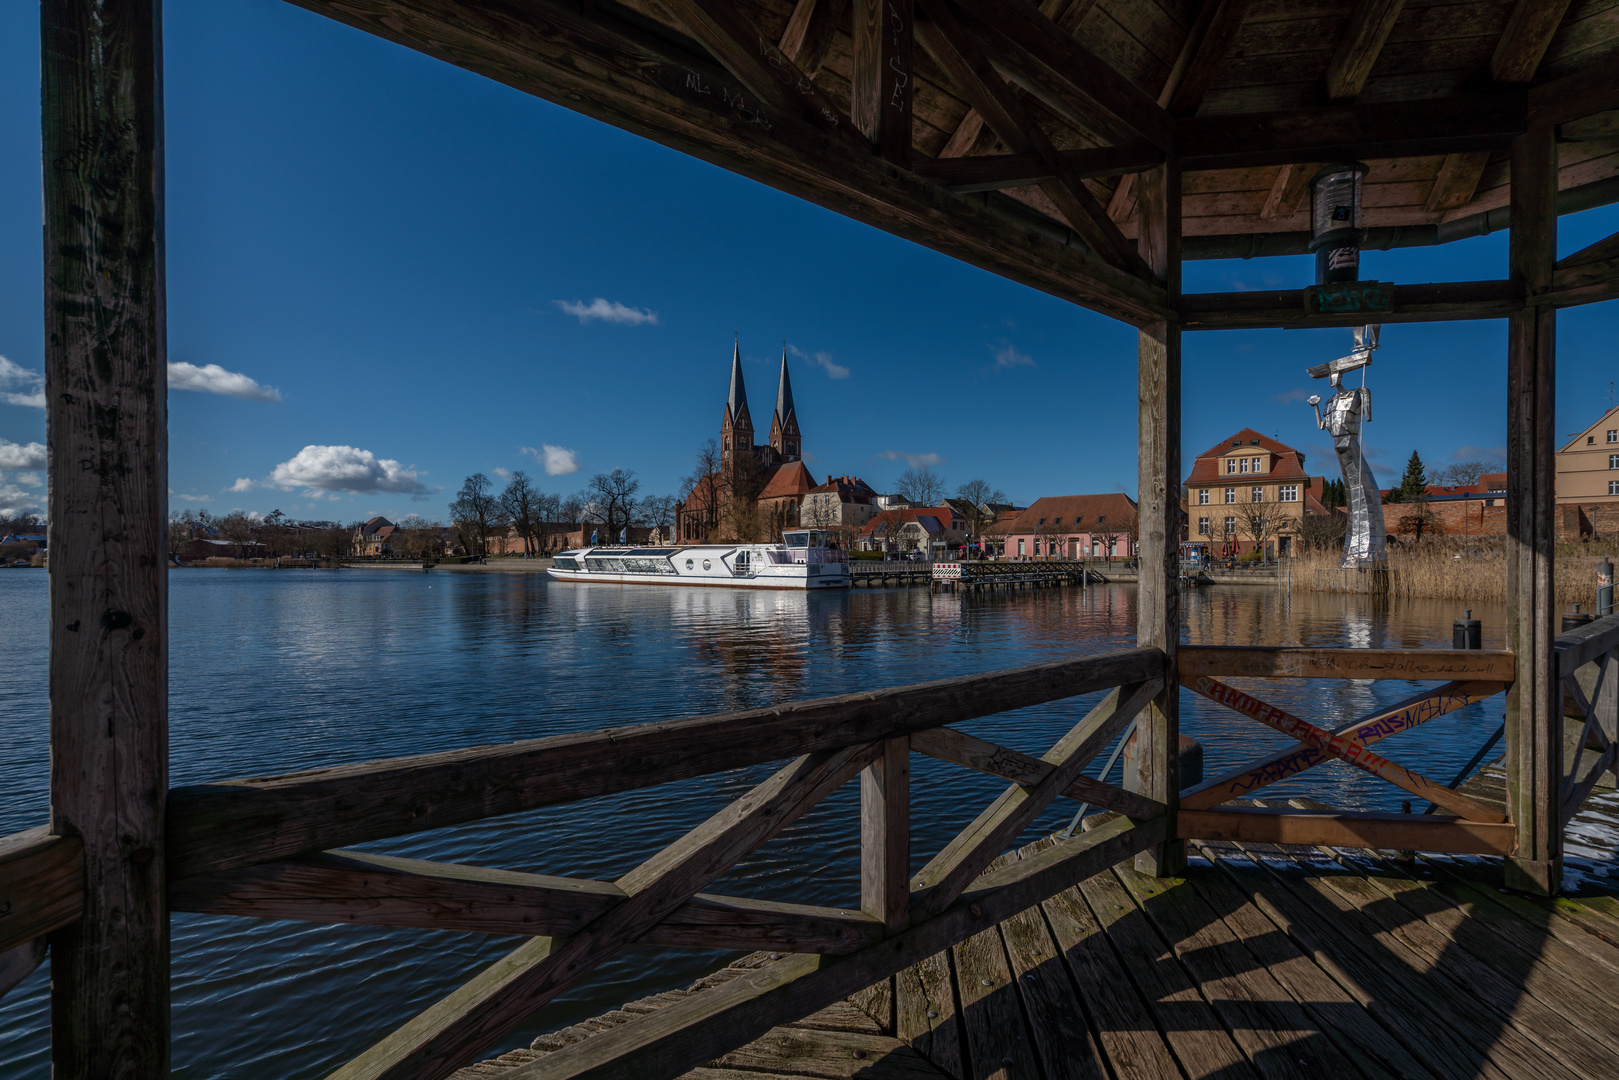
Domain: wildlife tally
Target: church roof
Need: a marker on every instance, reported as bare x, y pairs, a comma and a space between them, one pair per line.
737, 399
784, 393
791, 480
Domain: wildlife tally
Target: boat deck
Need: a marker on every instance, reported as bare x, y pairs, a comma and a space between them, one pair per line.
1263, 963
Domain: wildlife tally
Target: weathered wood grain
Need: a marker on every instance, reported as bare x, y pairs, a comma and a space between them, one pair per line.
664, 1044
443, 1038
885, 836
41, 884
1391, 832
1578, 647
1370, 25
1064, 1044
1528, 32
384, 890
957, 747
991, 1013
1312, 663
224, 826
925, 1013
993, 171
1434, 302
106, 422
881, 87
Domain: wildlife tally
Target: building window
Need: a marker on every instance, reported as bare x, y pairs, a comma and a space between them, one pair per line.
1613, 487
1042, 521
1259, 494
1242, 465
1287, 493
1020, 549
1231, 526
1056, 521
1613, 461
1255, 464
1203, 497
1230, 465
1590, 440
1203, 526
1613, 435
1230, 495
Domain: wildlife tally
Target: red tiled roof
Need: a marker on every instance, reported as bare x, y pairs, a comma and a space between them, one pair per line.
1079, 513
1289, 463
788, 481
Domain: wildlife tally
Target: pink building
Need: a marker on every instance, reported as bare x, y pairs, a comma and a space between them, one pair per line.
1067, 527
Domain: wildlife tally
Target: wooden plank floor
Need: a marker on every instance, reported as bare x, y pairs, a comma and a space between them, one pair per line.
1263, 963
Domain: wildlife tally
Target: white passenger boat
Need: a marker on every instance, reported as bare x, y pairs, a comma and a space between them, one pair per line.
802, 561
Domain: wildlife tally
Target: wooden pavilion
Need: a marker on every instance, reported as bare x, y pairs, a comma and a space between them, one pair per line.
1081, 148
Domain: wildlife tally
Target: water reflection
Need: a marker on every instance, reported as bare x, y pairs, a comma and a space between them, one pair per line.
274, 672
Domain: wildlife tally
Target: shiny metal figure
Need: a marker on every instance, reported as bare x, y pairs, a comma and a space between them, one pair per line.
1365, 543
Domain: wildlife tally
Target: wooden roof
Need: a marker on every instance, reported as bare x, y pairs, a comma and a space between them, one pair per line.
1011, 135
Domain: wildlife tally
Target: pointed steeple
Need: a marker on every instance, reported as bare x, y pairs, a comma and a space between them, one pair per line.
784, 392
736, 402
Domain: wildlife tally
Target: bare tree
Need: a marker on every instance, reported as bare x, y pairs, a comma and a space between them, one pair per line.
658, 512
920, 486
614, 496
1260, 521
520, 505
1108, 532
1049, 539
890, 525
475, 513
979, 496
1465, 473
700, 492
1322, 532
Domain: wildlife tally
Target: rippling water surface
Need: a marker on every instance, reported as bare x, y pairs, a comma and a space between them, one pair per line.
273, 672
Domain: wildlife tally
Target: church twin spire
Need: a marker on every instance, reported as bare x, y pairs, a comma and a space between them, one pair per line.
736, 429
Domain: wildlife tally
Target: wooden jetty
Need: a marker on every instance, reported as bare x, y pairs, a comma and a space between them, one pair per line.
1011, 575
1079, 148
873, 574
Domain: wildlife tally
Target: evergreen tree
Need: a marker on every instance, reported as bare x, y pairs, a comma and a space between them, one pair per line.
1414, 484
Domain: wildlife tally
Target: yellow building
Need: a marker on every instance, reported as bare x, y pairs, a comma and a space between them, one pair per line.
1588, 467
1249, 491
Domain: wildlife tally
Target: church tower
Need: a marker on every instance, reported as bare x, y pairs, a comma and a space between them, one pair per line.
736, 429
784, 437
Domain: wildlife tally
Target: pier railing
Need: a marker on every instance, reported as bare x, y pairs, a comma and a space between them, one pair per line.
276, 847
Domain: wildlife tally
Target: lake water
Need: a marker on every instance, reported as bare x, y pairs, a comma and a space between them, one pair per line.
276, 671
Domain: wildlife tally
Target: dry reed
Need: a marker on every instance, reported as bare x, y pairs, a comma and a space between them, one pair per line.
1449, 569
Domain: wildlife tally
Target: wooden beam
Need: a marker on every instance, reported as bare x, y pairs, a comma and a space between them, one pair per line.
1592, 90
1530, 29
382, 890
958, 55
1534, 730
107, 427
599, 61
1418, 709
809, 32
1158, 434
885, 836
1585, 277
442, 1039
1577, 647
955, 867
1384, 130
760, 65
959, 748
41, 885
1249, 662
668, 1042
881, 83
991, 172
1344, 750
1369, 27
1213, 35
1457, 181
1391, 832
1290, 191
1284, 309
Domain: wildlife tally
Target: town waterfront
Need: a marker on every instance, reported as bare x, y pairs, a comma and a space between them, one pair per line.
277, 672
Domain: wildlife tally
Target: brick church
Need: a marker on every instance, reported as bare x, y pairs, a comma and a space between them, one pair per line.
756, 490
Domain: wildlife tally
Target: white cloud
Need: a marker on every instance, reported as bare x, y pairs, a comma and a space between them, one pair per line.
1287, 397
821, 360
188, 498
19, 386
21, 455
504, 474
332, 469
213, 379
15, 502
242, 484
1480, 453
1008, 357
915, 461
558, 460
611, 311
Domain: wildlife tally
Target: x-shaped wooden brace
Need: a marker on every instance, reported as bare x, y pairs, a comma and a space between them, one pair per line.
1601, 711
1349, 746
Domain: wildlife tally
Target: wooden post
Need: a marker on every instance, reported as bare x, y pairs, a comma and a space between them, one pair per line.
1534, 744
881, 91
1158, 509
885, 835
106, 389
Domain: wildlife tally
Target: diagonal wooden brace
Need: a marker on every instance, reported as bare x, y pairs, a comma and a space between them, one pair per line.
1339, 747
1284, 764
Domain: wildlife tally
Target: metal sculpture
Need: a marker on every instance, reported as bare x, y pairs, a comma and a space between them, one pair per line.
1365, 543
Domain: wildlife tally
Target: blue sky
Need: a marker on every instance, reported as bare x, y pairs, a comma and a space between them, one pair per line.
384, 243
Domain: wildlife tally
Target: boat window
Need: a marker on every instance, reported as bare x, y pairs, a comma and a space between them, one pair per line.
796, 539
562, 562
689, 563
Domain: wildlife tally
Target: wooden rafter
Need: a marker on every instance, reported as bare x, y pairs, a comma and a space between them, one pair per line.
1588, 275
882, 84
1517, 56
1369, 27
991, 172
955, 51
442, 1039
1288, 193
966, 135
809, 31
1212, 36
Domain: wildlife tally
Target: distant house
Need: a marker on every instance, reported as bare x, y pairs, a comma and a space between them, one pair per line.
1068, 527
842, 502
375, 537
917, 528
1246, 480
207, 548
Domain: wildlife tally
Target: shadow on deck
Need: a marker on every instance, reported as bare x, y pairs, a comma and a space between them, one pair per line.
1263, 962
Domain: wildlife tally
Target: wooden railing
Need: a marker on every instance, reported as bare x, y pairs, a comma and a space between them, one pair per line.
1469, 826
274, 848
1588, 668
